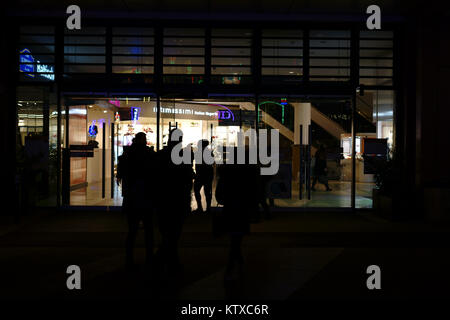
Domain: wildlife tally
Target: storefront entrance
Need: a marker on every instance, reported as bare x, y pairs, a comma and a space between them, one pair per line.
315, 143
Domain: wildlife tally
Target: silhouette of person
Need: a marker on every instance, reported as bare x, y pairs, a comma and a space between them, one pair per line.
262, 196
204, 175
175, 201
239, 194
135, 166
320, 168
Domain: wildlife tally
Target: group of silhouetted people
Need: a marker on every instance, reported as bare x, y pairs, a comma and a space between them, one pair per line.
152, 185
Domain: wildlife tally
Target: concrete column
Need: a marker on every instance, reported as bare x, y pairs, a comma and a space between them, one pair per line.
302, 116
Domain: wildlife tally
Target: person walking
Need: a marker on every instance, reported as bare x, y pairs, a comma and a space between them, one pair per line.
174, 201
204, 175
320, 168
134, 173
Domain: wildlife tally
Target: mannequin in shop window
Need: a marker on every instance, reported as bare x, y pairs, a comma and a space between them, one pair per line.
204, 175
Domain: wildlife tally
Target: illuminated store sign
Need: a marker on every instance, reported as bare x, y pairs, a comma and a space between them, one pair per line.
224, 114
46, 71
186, 111
30, 66
26, 63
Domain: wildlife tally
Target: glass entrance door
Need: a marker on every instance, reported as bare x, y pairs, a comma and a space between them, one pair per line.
216, 119
96, 130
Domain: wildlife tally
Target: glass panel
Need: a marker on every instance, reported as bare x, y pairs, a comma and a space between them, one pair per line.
179, 45
183, 70
376, 62
36, 54
39, 58
231, 70
136, 41
329, 62
329, 53
376, 50
132, 60
133, 50
133, 31
184, 60
37, 29
231, 42
184, 41
36, 143
87, 115
78, 43
183, 51
294, 43
184, 32
376, 53
37, 39
322, 165
330, 34
84, 59
329, 43
281, 71
230, 52
38, 49
132, 69
282, 33
376, 34
376, 72
376, 43
376, 111
216, 120
84, 68
231, 33
377, 81
281, 62
330, 72
84, 40
282, 52
84, 50
235, 61
86, 30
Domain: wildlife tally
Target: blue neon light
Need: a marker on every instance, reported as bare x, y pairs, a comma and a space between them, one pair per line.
92, 130
27, 63
135, 112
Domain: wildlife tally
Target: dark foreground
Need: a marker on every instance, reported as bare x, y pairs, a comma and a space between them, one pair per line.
291, 256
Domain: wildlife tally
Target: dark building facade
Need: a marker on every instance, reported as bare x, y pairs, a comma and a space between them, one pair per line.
74, 99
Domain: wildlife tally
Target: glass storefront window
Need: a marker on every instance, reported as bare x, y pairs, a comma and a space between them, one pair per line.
36, 146
376, 57
36, 54
184, 55
133, 50
93, 120
330, 55
313, 169
376, 116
